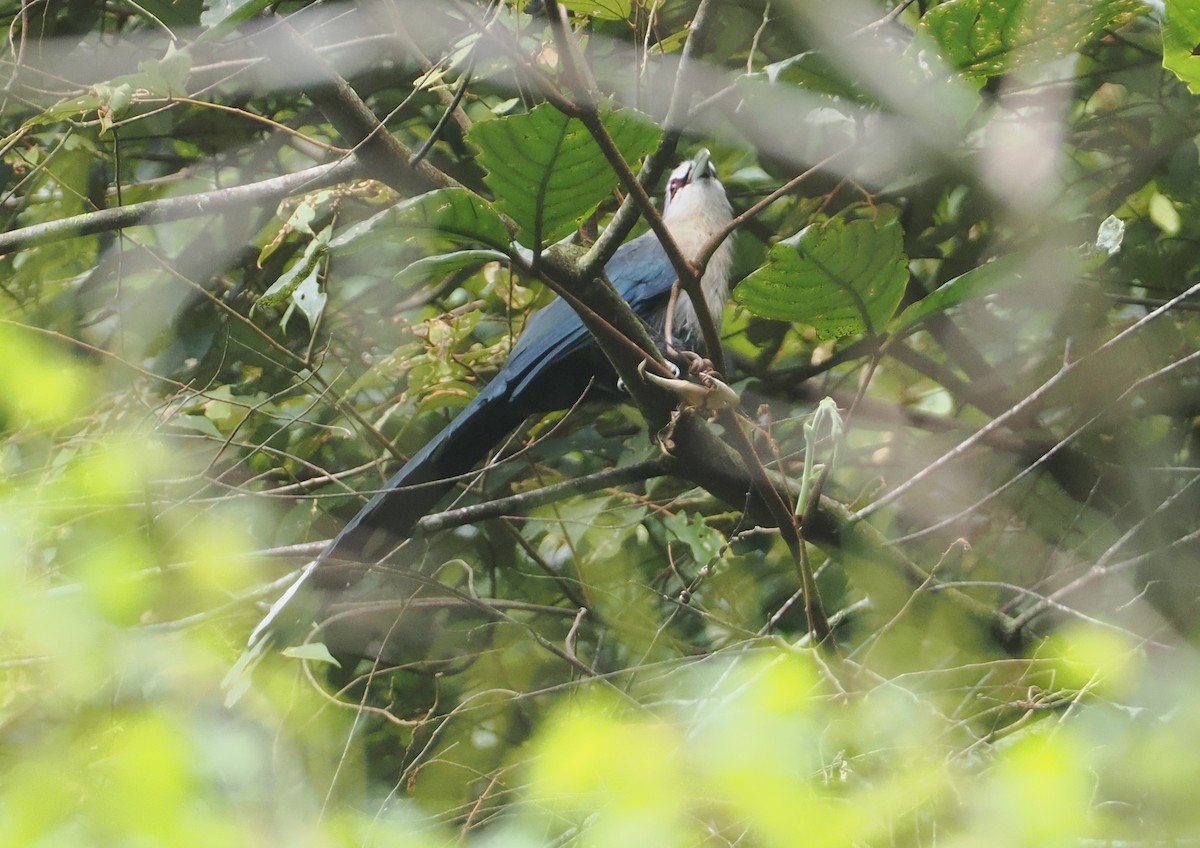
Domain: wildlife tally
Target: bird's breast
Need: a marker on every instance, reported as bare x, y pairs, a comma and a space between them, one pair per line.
691, 233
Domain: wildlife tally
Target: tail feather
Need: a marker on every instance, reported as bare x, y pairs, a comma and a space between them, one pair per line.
410, 494
425, 479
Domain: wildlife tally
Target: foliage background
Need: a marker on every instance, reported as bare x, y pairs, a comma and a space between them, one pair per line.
231, 304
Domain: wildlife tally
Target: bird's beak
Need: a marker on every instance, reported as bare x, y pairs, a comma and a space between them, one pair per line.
700, 163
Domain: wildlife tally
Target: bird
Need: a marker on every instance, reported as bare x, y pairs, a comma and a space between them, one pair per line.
553, 364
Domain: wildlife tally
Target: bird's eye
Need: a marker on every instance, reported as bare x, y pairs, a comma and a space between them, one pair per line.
675, 185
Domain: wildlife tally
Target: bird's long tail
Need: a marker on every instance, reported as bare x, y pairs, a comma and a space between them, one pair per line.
417, 487
413, 490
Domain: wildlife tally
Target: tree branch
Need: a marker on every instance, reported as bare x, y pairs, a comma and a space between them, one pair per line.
585, 109
520, 504
179, 208
387, 159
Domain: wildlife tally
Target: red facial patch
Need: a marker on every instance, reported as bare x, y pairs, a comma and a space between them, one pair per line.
675, 185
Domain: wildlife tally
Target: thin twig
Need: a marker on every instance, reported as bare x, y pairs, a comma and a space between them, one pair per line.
1021, 407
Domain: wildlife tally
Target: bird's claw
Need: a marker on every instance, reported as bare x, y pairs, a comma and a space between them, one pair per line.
696, 364
708, 394
621, 387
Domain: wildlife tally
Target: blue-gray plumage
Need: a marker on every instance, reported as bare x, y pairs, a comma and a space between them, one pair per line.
553, 364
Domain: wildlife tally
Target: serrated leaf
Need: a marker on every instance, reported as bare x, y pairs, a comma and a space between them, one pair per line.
840, 278
1181, 36
312, 651
435, 267
986, 38
451, 213
548, 173
610, 10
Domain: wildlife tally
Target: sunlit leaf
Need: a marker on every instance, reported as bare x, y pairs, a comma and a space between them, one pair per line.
47, 388
988, 37
1181, 37
1110, 236
1164, 214
313, 651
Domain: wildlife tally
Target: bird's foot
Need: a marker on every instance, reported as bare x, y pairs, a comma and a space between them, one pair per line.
623, 389
696, 364
709, 393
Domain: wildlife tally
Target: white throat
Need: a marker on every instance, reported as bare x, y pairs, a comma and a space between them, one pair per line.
697, 211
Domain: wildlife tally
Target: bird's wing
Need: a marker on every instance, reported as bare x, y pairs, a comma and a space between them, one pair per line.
642, 276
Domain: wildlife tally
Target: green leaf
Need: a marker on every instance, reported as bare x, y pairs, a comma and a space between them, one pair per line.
548, 173
1011, 272
609, 10
997, 275
704, 542
198, 424
451, 213
167, 76
1181, 36
811, 70
312, 651
230, 13
840, 278
169, 13
308, 298
299, 283
1164, 214
282, 289
114, 100
435, 267
986, 38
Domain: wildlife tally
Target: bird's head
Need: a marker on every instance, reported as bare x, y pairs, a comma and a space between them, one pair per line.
693, 187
